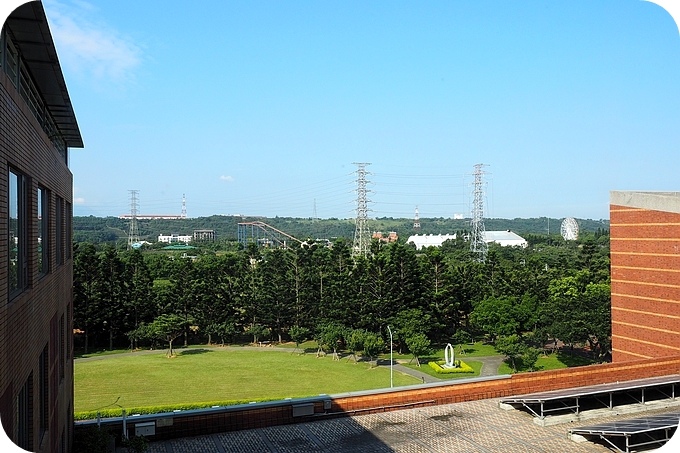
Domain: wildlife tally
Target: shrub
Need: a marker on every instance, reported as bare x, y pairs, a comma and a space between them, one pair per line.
92, 439
117, 412
461, 368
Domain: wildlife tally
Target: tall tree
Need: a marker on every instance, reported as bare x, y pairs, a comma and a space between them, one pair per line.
86, 302
112, 289
278, 296
139, 305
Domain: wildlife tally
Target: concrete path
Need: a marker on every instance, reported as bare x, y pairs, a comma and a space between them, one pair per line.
490, 366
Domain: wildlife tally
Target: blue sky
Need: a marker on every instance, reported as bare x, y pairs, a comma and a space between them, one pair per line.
262, 107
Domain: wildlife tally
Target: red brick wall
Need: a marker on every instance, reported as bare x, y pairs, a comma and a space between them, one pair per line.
25, 321
518, 384
645, 276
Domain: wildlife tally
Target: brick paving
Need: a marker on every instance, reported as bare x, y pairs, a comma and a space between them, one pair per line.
477, 426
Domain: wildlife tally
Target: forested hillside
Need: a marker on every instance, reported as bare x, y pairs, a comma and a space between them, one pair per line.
111, 229
518, 298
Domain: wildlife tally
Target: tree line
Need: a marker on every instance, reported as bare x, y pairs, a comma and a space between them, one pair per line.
518, 298
114, 230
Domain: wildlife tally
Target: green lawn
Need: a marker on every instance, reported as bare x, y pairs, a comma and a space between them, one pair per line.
144, 379
551, 362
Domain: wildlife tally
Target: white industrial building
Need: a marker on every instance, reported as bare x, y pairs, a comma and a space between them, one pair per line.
504, 238
429, 240
172, 238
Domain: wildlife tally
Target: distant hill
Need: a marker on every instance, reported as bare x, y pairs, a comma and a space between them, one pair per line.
110, 229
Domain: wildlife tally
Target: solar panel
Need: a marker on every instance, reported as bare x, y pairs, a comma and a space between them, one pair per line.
579, 399
633, 426
593, 389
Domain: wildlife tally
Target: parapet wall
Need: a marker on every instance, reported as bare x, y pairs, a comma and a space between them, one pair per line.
259, 415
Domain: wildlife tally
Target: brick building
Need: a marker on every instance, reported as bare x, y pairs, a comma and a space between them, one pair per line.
37, 127
645, 274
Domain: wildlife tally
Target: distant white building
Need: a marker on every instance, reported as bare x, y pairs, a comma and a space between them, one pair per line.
429, 240
172, 238
505, 238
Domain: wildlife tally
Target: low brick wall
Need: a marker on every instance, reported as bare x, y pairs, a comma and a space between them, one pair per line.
208, 421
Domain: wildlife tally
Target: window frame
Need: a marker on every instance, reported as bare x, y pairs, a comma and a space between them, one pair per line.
68, 230
17, 183
44, 391
43, 230
24, 409
59, 230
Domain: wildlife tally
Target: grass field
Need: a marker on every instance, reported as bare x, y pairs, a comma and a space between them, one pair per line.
196, 375
554, 361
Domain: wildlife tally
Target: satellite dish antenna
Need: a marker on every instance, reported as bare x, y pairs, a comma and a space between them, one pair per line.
569, 229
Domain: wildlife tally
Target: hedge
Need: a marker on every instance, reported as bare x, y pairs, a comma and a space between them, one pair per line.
118, 412
461, 368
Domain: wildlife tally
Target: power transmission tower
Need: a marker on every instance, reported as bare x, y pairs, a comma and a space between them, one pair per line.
184, 207
133, 232
416, 221
477, 243
362, 235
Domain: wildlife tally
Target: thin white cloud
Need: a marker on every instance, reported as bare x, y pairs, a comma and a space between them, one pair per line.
89, 46
226, 178
79, 200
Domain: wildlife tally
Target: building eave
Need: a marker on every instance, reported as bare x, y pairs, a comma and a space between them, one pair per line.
31, 34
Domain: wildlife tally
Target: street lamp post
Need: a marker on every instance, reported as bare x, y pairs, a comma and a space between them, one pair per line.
391, 361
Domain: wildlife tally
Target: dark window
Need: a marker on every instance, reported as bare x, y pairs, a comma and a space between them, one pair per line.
44, 391
69, 227
60, 230
43, 222
69, 329
62, 348
18, 262
25, 415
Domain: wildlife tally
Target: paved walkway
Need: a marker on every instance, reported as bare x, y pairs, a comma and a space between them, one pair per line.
490, 366
471, 427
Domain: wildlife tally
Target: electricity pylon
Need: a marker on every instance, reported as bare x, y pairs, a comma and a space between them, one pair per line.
477, 243
133, 232
362, 235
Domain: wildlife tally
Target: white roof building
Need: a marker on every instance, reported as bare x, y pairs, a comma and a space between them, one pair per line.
505, 238
174, 238
429, 240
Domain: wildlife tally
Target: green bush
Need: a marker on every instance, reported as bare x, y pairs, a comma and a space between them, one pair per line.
117, 412
461, 368
92, 439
